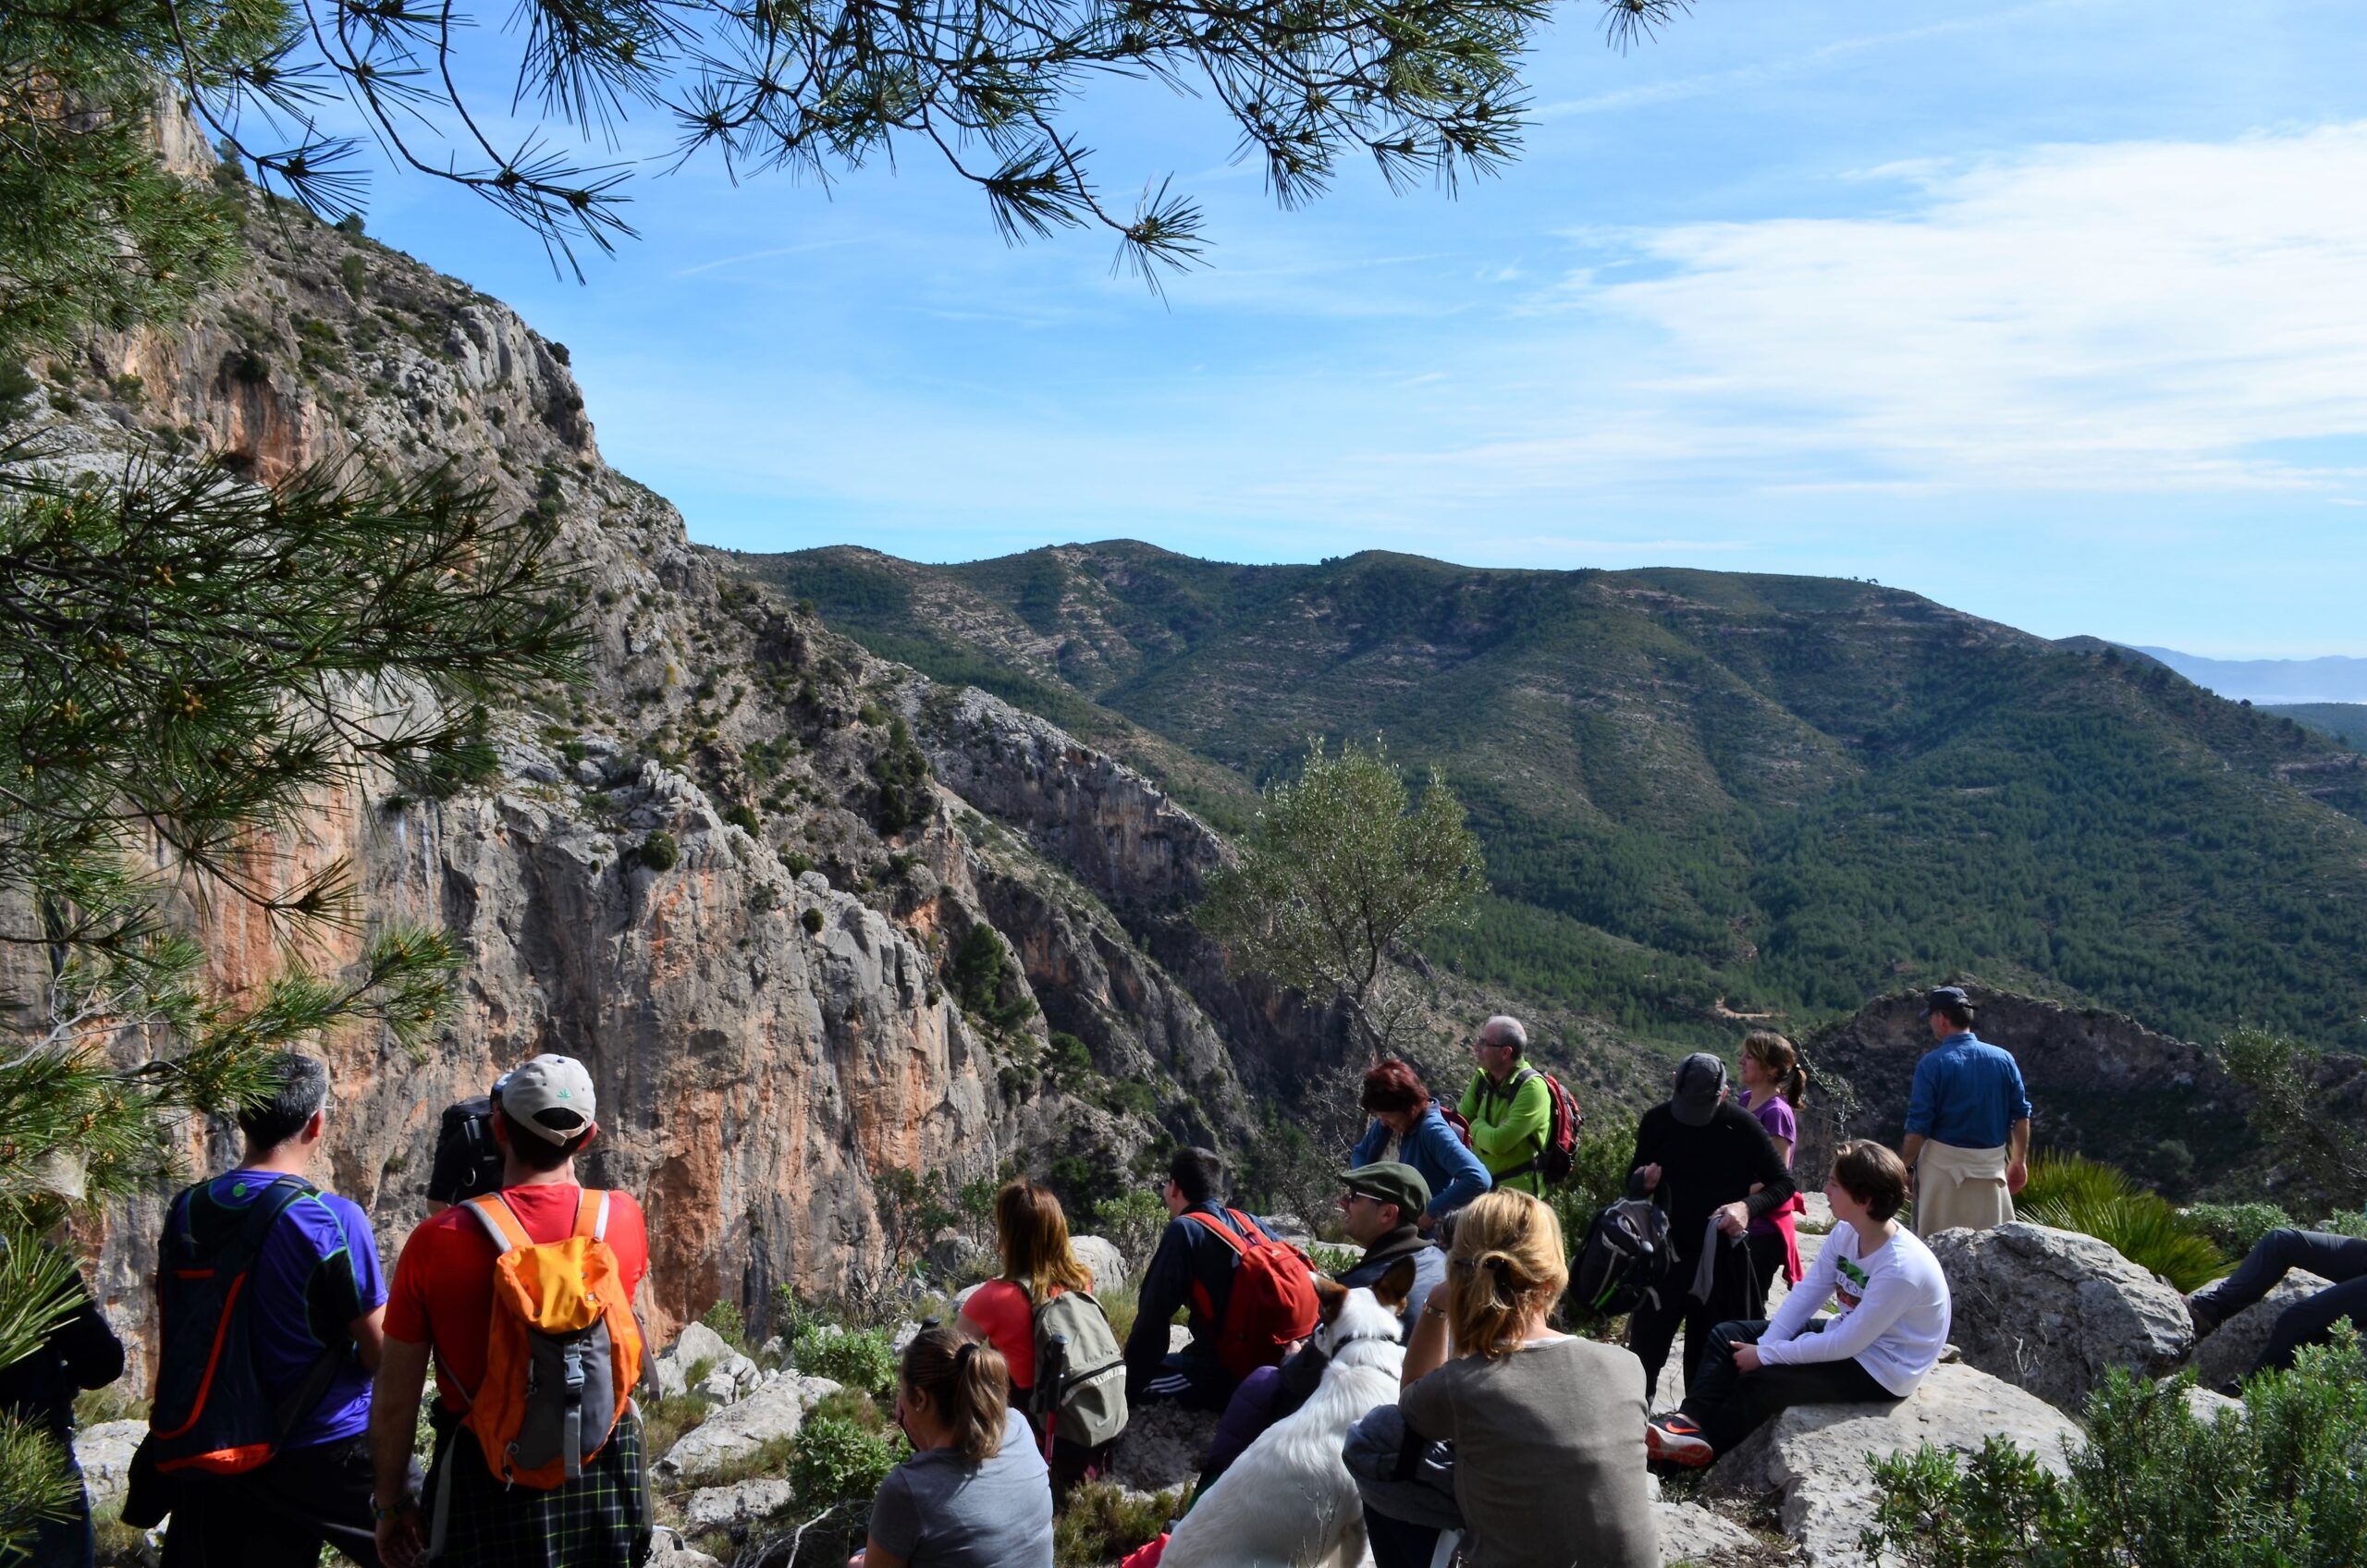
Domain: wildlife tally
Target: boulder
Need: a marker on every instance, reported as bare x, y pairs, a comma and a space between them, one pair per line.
777, 1410
1162, 1447
2227, 1355
1690, 1533
104, 1453
696, 1344
668, 1549
1813, 1456
722, 1508
718, 1386
2053, 1311
1101, 1256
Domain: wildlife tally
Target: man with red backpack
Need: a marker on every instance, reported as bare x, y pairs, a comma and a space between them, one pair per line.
523, 1298
1523, 1124
269, 1300
1249, 1297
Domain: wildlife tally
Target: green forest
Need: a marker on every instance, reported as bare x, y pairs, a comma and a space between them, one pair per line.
1704, 793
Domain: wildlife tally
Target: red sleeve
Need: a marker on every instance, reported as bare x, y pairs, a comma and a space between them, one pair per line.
1003, 1313
629, 1239
410, 1317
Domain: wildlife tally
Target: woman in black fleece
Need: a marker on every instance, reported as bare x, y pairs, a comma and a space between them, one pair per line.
1702, 1156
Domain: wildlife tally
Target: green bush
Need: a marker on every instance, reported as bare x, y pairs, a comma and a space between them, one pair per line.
838, 1460
812, 921
1103, 1522
726, 1319
1132, 1221
2072, 1193
2155, 1485
659, 851
2237, 1226
863, 1359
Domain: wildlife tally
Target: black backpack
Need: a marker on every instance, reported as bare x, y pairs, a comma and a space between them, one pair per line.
1627, 1256
211, 1414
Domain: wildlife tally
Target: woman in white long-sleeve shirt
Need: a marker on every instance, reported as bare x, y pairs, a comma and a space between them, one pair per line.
1889, 1324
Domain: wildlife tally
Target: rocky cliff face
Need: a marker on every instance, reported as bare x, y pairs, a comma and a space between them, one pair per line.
773, 1019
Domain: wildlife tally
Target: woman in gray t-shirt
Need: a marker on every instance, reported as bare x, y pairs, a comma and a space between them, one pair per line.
975, 1494
1548, 1429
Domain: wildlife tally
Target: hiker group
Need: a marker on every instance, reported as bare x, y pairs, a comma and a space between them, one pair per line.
1421, 1401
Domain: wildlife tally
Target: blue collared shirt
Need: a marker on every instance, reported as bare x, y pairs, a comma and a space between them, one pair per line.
1968, 1093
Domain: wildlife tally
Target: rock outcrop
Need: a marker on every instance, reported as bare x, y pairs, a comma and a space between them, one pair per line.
1813, 1458
2054, 1312
774, 1411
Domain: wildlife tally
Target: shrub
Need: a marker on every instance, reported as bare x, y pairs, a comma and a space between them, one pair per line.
862, 1359
1103, 1522
743, 816
838, 1460
979, 969
725, 1318
2237, 1226
812, 921
1131, 1222
659, 851
2096, 1200
2155, 1485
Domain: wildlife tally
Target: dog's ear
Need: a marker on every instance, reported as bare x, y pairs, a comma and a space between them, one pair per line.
1330, 1296
1396, 1283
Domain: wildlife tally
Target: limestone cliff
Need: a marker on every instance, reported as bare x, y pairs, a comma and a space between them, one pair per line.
770, 1014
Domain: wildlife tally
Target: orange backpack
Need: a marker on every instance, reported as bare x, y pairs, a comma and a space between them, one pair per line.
562, 1352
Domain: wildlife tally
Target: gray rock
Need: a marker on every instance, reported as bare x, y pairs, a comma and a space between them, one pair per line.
718, 1386
1813, 1456
672, 1379
2053, 1311
698, 1342
2206, 1404
2228, 1354
668, 1549
104, 1453
1162, 1447
777, 1410
720, 1508
773, 1350
957, 1257
1101, 1256
1690, 1533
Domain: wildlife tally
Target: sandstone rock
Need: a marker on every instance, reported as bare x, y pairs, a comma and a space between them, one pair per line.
1690, 1533
2053, 1311
104, 1453
1814, 1456
720, 1508
2227, 1355
777, 1410
1162, 1447
1101, 1256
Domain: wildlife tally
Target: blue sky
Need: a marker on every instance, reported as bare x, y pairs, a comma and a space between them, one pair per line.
2056, 311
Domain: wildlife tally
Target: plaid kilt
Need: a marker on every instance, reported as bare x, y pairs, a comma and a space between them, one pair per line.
599, 1521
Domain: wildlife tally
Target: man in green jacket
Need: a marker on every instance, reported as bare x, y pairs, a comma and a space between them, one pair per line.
1510, 1110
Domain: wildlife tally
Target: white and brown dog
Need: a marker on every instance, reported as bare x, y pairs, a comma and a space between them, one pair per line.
1289, 1502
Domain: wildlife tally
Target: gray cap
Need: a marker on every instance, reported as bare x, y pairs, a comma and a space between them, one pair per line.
1700, 1084
551, 1096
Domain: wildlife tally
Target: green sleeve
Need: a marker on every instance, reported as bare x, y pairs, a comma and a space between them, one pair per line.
1469, 1107
1516, 1139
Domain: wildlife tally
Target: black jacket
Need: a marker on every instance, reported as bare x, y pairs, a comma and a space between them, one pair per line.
1187, 1255
81, 1353
1706, 1168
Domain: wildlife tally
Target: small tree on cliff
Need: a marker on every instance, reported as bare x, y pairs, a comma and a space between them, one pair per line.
1343, 874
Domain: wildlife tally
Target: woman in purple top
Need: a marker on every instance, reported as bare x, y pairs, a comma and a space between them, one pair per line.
1773, 1083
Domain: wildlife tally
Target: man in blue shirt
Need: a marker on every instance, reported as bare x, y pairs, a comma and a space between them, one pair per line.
1967, 1124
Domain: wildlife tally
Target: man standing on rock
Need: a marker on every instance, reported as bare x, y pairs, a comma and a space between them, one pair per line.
1508, 1106
442, 1307
1967, 1124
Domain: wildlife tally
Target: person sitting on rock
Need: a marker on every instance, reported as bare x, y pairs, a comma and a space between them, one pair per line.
1032, 1235
1967, 1124
2310, 1321
1890, 1323
1410, 1128
1375, 1211
975, 1494
1547, 1427
1192, 1271
1713, 1168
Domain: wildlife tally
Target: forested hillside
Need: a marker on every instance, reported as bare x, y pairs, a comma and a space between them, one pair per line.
2346, 722
1706, 794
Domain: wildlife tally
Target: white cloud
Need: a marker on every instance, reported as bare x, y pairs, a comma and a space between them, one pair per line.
2125, 316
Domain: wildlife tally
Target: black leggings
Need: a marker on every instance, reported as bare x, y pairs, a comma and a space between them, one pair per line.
1729, 1405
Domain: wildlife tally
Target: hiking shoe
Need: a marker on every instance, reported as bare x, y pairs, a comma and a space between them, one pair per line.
2204, 1313
1676, 1439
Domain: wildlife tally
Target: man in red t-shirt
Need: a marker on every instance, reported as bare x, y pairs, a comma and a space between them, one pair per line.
440, 1307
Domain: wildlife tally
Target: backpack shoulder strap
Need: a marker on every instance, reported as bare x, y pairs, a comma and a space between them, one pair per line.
1218, 1228
591, 1214
500, 1222
1250, 1230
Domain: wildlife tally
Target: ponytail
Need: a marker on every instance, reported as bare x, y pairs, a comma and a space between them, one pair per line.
1506, 1260
1782, 1060
967, 1383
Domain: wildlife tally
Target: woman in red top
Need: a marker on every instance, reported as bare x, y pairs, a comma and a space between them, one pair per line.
1037, 1264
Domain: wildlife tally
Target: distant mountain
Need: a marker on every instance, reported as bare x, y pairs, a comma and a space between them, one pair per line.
2335, 679
1707, 795
2345, 721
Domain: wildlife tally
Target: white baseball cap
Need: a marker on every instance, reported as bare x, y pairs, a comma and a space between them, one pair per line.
550, 1095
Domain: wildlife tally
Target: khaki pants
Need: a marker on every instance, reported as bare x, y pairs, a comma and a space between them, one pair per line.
1959, 1189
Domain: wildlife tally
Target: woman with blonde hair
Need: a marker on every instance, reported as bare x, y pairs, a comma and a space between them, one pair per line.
973, 1494
1547, 1427
1775, 1081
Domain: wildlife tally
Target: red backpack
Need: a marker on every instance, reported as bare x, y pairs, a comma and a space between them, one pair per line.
1273, 1300
1559, 1155
1456, 1119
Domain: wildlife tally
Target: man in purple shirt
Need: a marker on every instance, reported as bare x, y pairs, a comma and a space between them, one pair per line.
319, 1295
